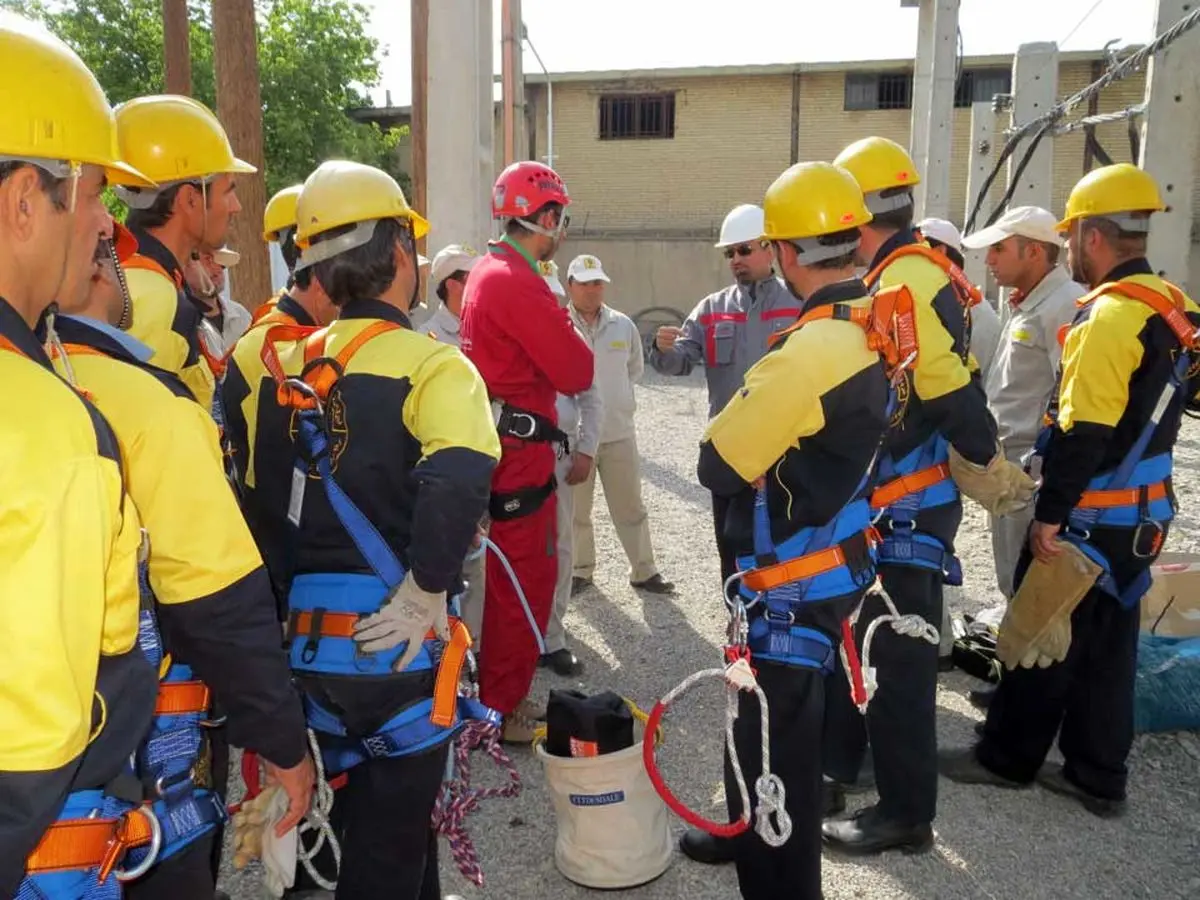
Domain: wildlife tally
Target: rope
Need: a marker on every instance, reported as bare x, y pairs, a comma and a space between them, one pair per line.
910, 625
458, 799
1130, 112
1051, 119
318, 820
487, 543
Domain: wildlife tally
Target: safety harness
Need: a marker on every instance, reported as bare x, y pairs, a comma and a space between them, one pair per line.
80, 854
531, 427
324, 607
921, 479
1137, 495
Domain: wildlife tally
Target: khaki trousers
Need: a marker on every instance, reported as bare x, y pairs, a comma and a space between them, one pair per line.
619, 468
1009, 534
472, 598
564, 494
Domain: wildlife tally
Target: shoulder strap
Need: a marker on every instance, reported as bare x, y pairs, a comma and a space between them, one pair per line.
137, 261
966, 292
1170, 306
6, 344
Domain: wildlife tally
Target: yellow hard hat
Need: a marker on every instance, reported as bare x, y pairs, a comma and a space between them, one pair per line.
1112, 190
341, 192
52, 108
878, 164
172, 139
281, 212
812, 199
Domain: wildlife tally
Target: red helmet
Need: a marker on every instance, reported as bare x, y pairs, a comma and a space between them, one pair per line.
524, 188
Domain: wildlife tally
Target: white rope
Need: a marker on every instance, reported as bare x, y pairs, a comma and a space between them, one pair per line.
317, 820
910, 625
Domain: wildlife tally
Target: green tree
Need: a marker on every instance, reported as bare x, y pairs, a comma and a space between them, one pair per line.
315, 61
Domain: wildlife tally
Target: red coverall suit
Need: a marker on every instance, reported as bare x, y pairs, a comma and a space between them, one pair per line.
525, 348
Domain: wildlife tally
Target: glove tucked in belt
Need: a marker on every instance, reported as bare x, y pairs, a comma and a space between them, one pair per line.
1036, 630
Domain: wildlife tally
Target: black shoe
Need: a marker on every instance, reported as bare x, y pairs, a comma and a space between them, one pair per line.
655, 585
960, 764
702, 847
1053, 778
579, 585
833, 798
563, 662
945, 663
981, 698
980, 728
866, 833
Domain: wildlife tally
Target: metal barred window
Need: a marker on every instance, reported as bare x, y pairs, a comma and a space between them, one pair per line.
637, 116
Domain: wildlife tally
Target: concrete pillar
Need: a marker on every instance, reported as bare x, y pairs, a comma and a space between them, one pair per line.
516, 130
934, 130
985, 148
918, 134
1171, 141
1035, 91
460, 124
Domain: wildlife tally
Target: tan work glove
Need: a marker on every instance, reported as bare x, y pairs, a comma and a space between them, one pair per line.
254, 838
407, 615
1000, 487
1036, 630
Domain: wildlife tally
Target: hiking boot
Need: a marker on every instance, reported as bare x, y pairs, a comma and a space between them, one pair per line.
579, 585
654, 584
522, 723
1053, 778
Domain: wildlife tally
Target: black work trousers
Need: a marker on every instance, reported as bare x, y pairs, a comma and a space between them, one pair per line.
902, 717
382, 820
795, 704
187, 875
1089, 696
725, 549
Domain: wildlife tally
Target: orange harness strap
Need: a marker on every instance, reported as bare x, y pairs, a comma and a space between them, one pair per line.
808, 566
1172, 309
454, 657
889, 324
963, 287
6, 344
320, 373
1122, 497
181, 698
145, 263
898, 488
78, 844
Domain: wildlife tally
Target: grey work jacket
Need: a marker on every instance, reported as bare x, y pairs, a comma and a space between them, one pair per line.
728, 332
1022, 375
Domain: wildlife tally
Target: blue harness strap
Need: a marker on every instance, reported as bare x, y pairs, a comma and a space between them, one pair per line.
903, 545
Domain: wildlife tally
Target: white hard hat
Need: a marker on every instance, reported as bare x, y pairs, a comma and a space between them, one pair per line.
941, 230
744, 223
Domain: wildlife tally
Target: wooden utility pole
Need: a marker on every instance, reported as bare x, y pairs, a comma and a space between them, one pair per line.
177, 49
239, 107
419, 119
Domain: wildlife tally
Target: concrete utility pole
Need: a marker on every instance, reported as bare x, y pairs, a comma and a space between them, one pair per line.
177, 48
419, 120
1171, 141
516, 138
239, 106
985, 147
1035, 91
933, 105
460, 122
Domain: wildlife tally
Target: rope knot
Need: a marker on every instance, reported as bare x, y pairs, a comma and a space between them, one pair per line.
771, 803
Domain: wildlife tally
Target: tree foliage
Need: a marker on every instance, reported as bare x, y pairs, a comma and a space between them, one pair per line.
315, 62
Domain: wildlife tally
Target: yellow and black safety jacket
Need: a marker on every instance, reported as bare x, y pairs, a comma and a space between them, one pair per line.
809, 417
1118, 356
245, 376
213, 599
168, 318
76, 693
939, 404
408, 442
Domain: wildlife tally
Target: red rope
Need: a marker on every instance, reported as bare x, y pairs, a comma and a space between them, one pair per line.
717, 829
253, 781
858, 690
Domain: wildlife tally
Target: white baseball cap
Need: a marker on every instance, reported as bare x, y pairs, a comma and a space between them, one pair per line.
586, 268
549, 271
941, 230
451, 259
226, 258
1031, 222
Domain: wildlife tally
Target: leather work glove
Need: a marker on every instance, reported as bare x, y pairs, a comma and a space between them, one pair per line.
407, 614
1036, 630
1000, 487
254, 838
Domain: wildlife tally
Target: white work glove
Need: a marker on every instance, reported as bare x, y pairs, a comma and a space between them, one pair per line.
406, 615
278, 854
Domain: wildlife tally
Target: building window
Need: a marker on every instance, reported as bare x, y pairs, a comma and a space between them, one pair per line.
632, 116
979, 85
889, 90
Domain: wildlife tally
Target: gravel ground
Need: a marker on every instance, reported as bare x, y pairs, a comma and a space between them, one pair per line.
991, 843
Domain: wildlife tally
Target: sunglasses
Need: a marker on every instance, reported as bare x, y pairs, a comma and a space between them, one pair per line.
740, 250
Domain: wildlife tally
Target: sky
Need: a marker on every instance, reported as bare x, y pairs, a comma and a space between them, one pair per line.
583, 35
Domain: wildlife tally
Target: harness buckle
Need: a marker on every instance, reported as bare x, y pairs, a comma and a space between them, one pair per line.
156, 841
511, 427
1147, 539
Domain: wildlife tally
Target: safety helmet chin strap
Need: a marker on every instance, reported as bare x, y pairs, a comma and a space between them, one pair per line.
555, 233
